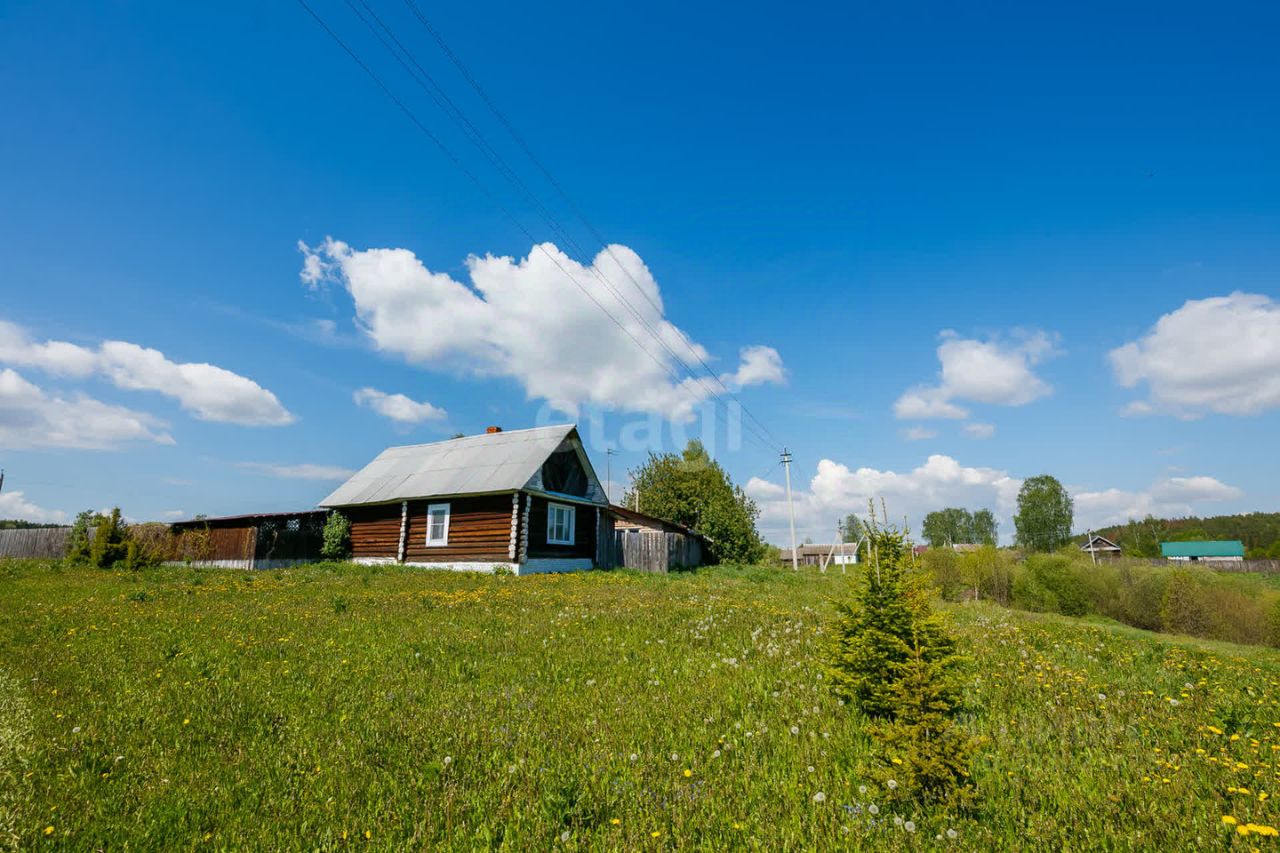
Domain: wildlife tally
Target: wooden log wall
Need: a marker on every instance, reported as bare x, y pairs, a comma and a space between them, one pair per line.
479, 530
375, 530
584, 539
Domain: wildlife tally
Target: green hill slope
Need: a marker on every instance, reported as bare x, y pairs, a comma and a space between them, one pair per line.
322, 708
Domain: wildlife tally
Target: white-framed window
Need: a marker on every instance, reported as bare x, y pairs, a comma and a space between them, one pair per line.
438, 525
560, 524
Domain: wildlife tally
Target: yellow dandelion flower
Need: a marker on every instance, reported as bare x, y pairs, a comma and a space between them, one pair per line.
368, 834
1229, 820
615, 821
48, 830
655, 833
687, 773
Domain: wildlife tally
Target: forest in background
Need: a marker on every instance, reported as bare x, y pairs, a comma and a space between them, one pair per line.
1259, 531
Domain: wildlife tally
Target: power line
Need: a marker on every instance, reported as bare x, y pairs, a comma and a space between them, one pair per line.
417, 122
423, 78
577, 211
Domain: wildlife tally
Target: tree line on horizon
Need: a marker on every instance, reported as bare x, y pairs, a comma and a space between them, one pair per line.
1259, 531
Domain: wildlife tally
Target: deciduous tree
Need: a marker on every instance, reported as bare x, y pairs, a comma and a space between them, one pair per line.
1043, 522
691, 488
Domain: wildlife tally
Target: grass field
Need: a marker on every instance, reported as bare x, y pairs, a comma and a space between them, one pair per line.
331, 707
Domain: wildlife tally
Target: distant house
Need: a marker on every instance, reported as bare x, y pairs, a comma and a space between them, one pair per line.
839, 553
525, 500
1100, 547
1221, 551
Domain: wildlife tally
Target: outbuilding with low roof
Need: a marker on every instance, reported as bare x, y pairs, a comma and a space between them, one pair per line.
1219, 551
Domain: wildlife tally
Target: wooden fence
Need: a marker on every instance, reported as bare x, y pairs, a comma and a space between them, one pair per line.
655, 551
255, 543
34, 542
1266, 567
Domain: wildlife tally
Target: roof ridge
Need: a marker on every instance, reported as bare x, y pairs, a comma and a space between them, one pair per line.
481, 435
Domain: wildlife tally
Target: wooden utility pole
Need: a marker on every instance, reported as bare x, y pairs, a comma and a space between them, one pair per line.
608, 473
791, 510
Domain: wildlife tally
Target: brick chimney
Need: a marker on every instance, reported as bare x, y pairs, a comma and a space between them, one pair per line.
491, 430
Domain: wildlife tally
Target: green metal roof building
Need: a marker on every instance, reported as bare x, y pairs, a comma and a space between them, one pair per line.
1224, 549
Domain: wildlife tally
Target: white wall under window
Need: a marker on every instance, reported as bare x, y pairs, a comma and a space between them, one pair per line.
437, 525
560, 524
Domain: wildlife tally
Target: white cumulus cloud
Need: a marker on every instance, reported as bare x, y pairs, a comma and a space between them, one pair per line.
998, 371
919, 433
976, 430
1169, 498
31, 417
1220, 354
835, 490
208, 392
15, 506
304, 471
398, 407
527, 319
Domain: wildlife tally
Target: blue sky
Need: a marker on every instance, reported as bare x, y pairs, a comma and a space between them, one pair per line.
864, 217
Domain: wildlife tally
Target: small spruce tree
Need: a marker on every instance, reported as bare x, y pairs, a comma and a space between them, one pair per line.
894, 658
110, 541
78, 539
923, 747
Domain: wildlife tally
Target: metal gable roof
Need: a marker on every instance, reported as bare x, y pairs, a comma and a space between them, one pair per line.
476, 464
1217, 548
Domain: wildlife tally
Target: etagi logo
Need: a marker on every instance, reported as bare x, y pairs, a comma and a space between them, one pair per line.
719, 428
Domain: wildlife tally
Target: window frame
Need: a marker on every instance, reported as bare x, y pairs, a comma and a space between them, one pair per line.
552, 510
433, 509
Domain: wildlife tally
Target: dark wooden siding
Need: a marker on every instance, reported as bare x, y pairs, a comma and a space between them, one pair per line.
584, 544
375, 530
479, 529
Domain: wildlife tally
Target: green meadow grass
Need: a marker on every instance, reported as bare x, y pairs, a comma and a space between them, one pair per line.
331, 707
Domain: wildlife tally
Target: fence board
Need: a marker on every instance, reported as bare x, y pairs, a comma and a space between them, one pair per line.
655, 551
1265, 567
34, 542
